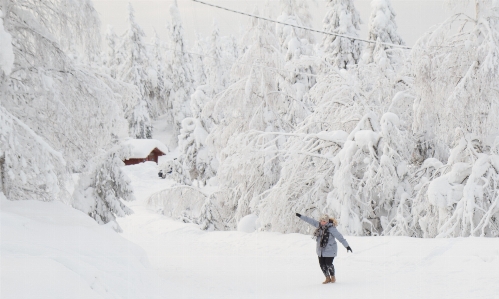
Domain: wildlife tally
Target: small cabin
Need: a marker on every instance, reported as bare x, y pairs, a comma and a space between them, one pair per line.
143, 150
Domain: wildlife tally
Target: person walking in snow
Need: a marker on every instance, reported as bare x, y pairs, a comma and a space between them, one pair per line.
327, 248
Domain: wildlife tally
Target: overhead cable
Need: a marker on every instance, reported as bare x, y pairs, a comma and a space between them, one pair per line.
304, 28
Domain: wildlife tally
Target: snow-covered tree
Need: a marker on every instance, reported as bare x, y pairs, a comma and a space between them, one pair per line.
198, 64
456, 78
29, 167
140, 123
158, 77
62, 100
382, 29
253, 101
295, 41
180, 72
103, 186
459, 198
136, 69
217, 74
114, 54
196, 158
341, 18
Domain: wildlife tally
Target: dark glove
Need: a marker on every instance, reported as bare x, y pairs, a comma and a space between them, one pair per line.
348, 248
298, 215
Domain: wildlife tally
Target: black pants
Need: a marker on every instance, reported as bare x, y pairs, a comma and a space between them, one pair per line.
327, 266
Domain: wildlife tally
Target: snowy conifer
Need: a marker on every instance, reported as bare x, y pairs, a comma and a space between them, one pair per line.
103, 186
157, 75
382, 29
136, 70
195, 156
180, 72
140, 123
295, 41
114, 55
198, 64
218, 75
341, 18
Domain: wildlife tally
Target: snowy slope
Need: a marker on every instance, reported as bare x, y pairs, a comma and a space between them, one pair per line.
50, 250
273, 265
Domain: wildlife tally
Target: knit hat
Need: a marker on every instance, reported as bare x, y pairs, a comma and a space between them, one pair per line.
324, 218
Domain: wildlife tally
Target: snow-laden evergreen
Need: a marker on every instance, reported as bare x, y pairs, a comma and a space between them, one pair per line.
159, 80
103, 186
198, 64
136, 69
382, 29
218, 75
196, 157
295, 41
180, 72
114, 53
341, 18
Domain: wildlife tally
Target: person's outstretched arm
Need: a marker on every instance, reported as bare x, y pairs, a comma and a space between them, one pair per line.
338, 236
308, 220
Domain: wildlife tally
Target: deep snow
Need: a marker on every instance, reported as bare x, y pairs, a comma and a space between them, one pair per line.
49, 250
273, 265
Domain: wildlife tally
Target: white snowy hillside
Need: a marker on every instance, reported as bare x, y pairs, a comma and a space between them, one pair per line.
50, 250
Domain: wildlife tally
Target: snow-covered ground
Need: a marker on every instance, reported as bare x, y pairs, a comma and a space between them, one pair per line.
272, 265
49, 250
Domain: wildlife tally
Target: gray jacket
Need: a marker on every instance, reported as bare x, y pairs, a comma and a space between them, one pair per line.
331, 249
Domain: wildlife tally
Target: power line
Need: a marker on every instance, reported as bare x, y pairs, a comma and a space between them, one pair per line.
301, 27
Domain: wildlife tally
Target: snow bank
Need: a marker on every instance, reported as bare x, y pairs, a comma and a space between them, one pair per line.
50, 250
248, 223
141, 148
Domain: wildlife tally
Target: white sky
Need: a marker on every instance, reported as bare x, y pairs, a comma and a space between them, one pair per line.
414, 17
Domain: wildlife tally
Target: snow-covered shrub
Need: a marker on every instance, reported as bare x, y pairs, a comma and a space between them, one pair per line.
103, 186
190, 205
173, 169
460, 198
